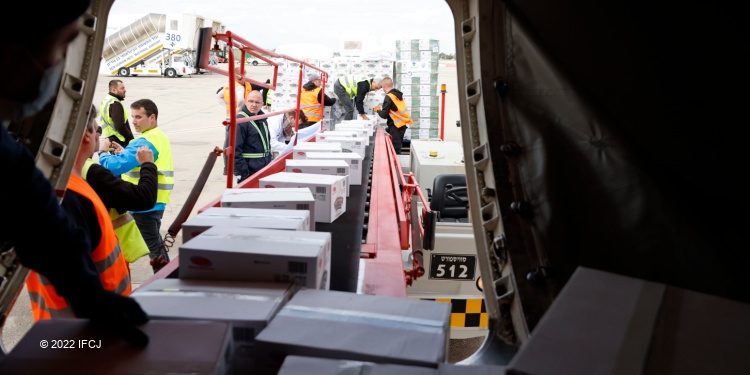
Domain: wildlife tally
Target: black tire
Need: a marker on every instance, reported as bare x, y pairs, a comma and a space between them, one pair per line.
123, 72
255, 62
171, 73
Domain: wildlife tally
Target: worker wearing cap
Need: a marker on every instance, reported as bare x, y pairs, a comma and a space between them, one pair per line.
62, 253
311, 98
395, 112
351, 90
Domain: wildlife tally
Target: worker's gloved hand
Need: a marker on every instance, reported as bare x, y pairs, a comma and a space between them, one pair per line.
112, 313
377, 108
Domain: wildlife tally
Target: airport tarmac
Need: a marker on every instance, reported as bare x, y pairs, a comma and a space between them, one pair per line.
192, 118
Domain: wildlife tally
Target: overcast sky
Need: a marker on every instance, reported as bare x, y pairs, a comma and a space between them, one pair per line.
272, 23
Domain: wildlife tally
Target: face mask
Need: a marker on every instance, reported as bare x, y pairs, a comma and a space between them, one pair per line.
47, 90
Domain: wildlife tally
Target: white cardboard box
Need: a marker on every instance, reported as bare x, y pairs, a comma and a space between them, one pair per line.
365, 129
247, 306
245, 217
356, 327
343, 133
298, 365
334, 167
348, 144
329, 191
175, 347
284, 198
251, 254
352, 158
360, 129
370, 123
300, 150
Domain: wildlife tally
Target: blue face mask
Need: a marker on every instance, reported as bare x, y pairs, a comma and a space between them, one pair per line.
47, 90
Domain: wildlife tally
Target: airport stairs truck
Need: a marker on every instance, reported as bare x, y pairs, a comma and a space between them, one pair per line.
155, 44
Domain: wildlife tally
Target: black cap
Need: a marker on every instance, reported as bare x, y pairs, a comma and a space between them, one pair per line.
28, 18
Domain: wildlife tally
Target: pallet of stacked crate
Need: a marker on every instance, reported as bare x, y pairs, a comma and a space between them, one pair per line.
416, 77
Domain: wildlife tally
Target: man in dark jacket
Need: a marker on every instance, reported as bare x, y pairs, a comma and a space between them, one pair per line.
62, 253
252, 149
352, 91
394, 111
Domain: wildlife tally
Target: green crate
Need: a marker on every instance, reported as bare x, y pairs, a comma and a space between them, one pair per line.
415, 101
418, 90
418, 79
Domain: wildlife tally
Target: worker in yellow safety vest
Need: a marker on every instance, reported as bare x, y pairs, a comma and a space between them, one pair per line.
83, 204
312, 97
394, 111
113, 116
120, 197
351, 91
267, 94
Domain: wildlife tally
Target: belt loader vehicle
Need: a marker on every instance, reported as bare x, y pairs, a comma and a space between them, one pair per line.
600, 136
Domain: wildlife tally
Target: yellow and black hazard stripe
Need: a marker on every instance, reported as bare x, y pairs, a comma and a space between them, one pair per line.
465, 313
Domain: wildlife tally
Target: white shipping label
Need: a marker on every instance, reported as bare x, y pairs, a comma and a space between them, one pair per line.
424, 112
424, 133
424, 90
424, 123
424, 44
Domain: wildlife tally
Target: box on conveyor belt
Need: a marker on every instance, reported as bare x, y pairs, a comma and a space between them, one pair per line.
251, 254
329, 191
336, 167
245, 217
352, 158
371, 123
286, 199
348, 144
247, 306
300, 150
356, 327
73, 346
363, 129
344, 133
299, 365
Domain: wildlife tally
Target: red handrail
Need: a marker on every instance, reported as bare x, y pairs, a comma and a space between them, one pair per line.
245, 47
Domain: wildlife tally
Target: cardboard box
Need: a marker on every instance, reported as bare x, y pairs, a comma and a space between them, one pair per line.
329, 191
353, 133
604, 323
353, 159
245, 217
334, 167
247, 306
356, 327
251, 254
348, 144
301, 149
363, 130
298, 365
286, 199
72, 346
454, 369
371, 123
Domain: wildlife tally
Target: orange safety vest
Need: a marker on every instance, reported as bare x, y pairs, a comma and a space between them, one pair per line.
310, 106
108, 258
248, 88
402, 116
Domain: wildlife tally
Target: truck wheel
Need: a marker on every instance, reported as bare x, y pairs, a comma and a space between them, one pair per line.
123, 72
171, 73
255, 62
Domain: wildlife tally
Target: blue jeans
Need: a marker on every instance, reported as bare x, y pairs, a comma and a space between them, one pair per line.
149, 223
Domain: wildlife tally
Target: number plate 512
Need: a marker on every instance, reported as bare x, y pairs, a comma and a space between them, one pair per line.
452, 266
